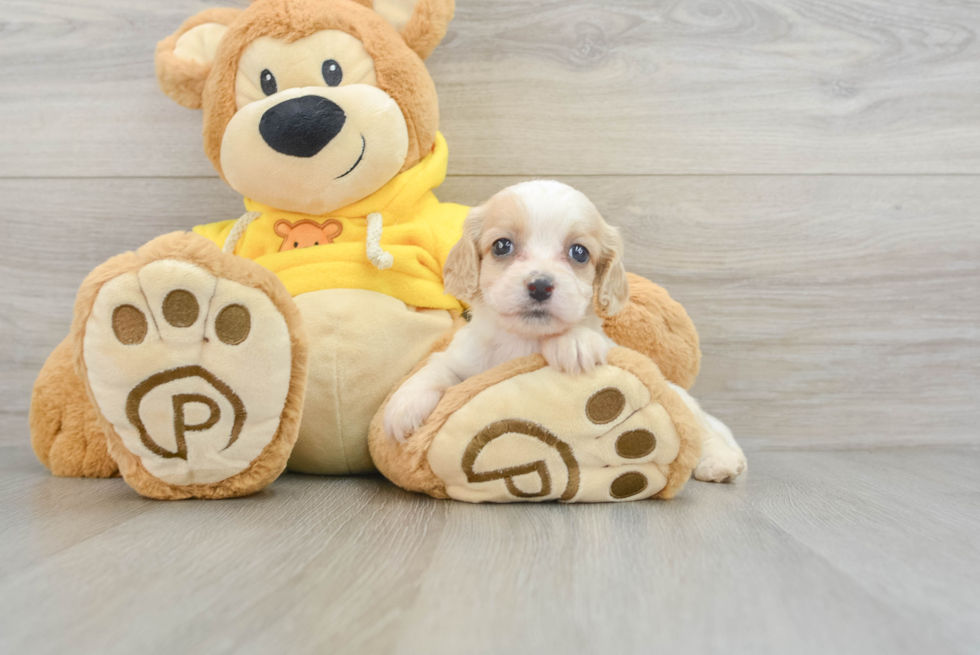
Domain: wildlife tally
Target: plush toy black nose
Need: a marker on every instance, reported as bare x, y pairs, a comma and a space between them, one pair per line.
540, 288
302, 127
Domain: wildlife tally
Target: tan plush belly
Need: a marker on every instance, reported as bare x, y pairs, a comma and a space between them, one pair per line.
361, 344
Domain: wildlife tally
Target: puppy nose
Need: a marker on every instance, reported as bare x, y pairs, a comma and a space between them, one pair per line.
540, 288
302, 127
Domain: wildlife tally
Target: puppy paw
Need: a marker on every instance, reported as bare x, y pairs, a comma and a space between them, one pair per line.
720, 466
577, 351
408, 409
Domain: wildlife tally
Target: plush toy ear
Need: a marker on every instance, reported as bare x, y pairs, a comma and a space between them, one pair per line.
183, 59
611, 288
461, 274
422, 23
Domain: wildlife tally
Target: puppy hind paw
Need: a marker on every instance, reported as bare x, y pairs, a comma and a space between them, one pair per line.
723, 466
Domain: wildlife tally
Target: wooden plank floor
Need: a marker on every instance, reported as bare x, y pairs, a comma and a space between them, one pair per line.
803, 176
812, 552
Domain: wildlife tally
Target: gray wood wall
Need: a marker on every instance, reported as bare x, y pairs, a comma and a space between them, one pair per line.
803, 176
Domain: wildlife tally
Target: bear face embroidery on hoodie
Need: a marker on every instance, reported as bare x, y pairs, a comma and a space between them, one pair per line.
307, 233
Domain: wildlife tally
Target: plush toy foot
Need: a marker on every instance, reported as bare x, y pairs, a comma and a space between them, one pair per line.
196, 361
524, 432
65, 430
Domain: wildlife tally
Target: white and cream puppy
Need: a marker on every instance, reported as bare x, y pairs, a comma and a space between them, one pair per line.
533, 263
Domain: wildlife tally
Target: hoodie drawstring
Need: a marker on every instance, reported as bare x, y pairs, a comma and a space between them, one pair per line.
375, 253
238, 229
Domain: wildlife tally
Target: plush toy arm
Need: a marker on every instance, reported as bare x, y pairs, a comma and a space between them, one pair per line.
656, 325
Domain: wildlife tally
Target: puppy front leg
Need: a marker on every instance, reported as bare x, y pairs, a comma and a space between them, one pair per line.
577, 351
415, 400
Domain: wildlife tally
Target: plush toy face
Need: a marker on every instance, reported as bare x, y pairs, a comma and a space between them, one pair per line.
311, 110
309, 105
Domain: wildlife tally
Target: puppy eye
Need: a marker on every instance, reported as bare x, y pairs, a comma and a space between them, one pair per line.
502, 247
579, 253
268, 82
332, 73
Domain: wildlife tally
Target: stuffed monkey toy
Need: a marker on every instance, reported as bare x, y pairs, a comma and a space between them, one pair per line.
206, 362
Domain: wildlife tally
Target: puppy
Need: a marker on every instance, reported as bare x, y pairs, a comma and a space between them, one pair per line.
533, 263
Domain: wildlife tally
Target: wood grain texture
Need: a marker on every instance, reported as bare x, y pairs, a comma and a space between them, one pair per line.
811, 552
549, 88
832, 310
802, 176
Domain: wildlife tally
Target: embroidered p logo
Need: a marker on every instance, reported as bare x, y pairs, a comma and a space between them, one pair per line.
181, 422
527, 429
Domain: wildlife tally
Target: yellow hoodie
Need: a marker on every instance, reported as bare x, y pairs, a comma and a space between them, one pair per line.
418, 231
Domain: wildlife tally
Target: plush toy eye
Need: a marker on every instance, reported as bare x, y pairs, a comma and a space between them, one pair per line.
502, 247
332, 73
579, 253
268, 82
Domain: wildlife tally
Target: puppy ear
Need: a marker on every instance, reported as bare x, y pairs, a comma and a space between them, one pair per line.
183, 59
611, 288
461, 274
422, 23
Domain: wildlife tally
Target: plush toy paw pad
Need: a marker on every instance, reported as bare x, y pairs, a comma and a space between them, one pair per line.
627, 485
192, 370
584, 438
635, 444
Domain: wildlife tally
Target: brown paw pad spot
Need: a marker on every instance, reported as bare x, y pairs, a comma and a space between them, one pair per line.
180, 308
233, 324
129, 325
635, 444
605, 405
628, 484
